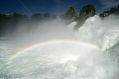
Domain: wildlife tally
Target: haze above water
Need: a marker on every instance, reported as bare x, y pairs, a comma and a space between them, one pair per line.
54, 50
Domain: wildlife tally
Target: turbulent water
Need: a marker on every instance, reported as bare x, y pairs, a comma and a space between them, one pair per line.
55, 51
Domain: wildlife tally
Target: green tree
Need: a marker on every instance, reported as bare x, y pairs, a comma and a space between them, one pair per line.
0, 15
88, 9
70, 13
112, 10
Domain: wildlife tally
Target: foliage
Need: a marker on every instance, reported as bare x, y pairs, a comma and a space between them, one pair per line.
70, 13
10, 23
111, 11
88, 9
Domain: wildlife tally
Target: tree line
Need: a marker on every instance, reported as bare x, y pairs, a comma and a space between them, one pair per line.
111, 11
9, 23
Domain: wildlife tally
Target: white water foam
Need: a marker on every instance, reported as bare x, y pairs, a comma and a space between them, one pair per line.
65, 60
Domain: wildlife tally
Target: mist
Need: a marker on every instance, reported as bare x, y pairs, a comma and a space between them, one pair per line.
44, 31
55, 50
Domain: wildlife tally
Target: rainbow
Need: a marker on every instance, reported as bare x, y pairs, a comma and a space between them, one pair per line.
49, 43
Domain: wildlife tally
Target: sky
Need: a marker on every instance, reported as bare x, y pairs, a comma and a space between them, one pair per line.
31, 7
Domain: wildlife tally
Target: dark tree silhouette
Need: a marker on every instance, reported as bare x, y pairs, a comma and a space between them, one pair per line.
70, 13
88, 10
85, 12
111, 11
